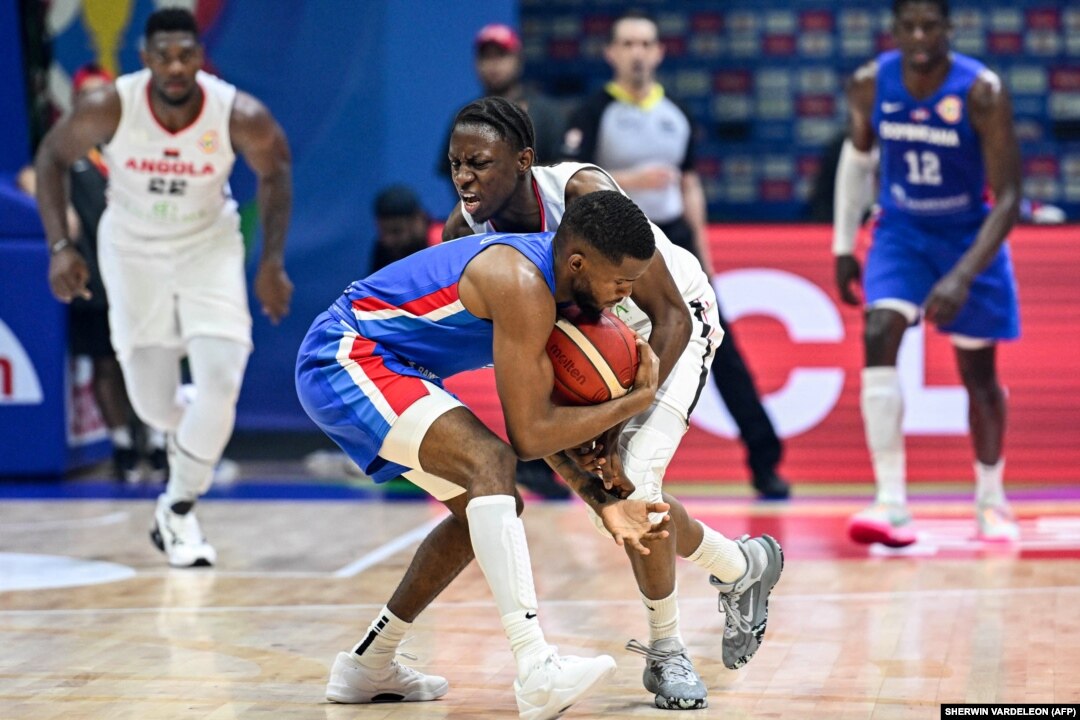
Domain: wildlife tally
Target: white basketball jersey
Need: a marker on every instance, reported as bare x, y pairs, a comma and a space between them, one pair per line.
164, 184
550, 182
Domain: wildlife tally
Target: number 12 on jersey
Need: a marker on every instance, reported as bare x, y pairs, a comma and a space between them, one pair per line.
923, 168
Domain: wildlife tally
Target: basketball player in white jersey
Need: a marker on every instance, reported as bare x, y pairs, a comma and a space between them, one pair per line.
171, 254
673, 305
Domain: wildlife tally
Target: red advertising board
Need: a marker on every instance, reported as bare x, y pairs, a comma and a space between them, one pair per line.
775, 285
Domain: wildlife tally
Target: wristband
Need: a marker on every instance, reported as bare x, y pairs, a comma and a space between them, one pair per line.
60, 245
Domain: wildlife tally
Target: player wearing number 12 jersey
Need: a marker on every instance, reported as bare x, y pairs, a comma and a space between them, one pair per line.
170, 250
943, 123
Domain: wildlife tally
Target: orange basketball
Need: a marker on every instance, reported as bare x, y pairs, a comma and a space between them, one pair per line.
594, 358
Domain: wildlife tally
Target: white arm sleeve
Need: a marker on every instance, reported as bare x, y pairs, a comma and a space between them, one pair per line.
854, 194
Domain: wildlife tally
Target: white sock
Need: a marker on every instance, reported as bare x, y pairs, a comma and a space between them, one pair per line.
719, 555
380, 644
121, 437
663, 617
989, 489
498, 540
189, 476
883, 414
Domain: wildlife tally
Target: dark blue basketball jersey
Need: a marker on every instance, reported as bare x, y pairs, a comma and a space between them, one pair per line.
411, 309
932, 168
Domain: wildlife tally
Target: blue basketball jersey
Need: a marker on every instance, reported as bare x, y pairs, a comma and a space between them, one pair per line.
410, 308
932, 169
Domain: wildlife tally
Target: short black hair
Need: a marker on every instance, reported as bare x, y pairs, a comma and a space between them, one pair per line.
509, 121
942, 5
170, 19
611, 223
634, 14
397, 201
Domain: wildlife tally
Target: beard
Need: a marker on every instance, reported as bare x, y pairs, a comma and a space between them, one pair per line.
584, 300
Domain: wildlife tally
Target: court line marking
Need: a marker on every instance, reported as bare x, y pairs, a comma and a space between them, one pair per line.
884, 596
388, 549
112, 518
248, 574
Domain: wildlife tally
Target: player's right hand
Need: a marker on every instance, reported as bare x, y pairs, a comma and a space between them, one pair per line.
68, 275
848, 277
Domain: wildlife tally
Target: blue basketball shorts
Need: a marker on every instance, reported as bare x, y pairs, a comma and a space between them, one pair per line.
905, 263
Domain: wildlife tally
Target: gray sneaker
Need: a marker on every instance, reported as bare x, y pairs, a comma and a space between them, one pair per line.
745, 602
670, 675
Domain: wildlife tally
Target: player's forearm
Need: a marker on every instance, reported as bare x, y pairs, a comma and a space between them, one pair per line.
992, 234
52, 196
854, 194
668, 339
275, 207
535, 436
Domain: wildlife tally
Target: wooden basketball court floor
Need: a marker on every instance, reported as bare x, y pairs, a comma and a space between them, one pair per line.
93, 624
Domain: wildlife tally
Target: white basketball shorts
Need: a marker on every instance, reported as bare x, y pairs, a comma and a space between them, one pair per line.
163, 292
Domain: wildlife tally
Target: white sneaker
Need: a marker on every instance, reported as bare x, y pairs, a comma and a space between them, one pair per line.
996, 523
351, 682
554, 683
180, 537
885, 523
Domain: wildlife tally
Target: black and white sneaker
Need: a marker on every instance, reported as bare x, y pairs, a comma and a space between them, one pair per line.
178, 535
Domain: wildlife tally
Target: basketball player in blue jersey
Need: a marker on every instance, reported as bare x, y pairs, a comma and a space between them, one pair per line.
943, 123
370, 373
674, 306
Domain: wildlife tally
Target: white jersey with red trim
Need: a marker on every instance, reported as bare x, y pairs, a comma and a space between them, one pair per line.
549, 183
166, 184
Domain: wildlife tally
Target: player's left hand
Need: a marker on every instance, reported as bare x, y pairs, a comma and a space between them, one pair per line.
273, 289
628, 522
848, 279
947, 298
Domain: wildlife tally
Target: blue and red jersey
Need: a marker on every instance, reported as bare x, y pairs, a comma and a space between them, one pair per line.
381, 345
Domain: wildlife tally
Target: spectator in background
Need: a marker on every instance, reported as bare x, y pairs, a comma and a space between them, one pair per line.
499, 66
402, 224
645, 140
88, 319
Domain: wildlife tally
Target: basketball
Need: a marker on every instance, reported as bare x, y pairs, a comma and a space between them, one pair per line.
594, 358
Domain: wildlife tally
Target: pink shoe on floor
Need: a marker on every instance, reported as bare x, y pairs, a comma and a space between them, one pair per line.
996, 523
885, 523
